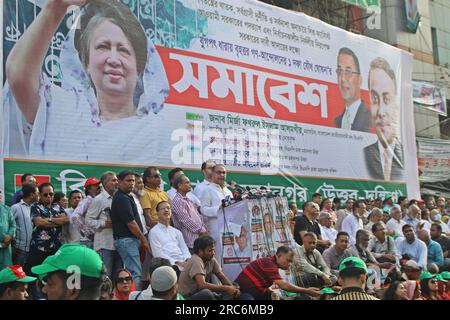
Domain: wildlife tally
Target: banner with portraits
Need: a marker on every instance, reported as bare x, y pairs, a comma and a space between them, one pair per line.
169, 83
252, 229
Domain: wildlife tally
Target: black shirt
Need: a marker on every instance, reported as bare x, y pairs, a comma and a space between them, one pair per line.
444, 242
123, 211
303, 224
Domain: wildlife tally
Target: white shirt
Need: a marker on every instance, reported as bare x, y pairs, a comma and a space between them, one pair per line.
96, 217
394, 225
141, 213
200, 187
351, 225
426, 224
390, 151
352, 109
417, 250
328, 233
211, 200
445, 228
70, 233
167, 242
146, 294
190, 195
341, 214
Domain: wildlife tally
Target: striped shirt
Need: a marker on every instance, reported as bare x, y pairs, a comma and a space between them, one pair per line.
258, 276
187, 219
78, 219
24, 226
354, 293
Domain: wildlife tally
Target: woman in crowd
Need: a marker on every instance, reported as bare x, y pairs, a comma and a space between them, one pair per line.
112, 80
123, 284
396, 291
430, 287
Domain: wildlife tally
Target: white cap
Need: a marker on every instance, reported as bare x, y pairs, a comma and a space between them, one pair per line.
163, 279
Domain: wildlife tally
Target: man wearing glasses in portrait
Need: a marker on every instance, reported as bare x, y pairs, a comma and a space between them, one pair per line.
355, 116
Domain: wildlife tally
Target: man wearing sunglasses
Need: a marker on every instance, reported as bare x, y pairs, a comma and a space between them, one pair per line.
152, 194
355, 116
48, 220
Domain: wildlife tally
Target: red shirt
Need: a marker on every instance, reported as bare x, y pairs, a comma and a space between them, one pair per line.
258, 276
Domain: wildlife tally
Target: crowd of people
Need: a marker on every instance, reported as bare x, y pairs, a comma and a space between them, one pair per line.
125, 238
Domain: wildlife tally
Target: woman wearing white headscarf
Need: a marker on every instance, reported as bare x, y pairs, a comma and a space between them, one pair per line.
113, 82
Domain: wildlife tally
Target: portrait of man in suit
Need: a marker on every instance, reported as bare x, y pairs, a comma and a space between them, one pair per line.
355, 115
384, 158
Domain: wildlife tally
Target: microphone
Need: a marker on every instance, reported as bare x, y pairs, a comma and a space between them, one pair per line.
236, 186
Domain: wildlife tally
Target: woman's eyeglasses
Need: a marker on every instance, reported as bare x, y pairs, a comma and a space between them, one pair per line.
125, 279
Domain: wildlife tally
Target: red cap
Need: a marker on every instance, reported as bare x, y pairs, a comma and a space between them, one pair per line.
91, 181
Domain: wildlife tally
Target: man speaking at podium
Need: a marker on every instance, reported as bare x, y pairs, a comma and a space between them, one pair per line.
211, 199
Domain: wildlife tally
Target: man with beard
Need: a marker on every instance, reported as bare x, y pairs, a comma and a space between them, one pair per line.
195, 279
98, 217
138, 191
384, 158
211, 199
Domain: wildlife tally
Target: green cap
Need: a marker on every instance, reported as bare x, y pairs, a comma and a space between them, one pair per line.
290, 294
388, 196
72, 255
327, 291
352, 262
445, 275
439, 277
14, 274
426, 275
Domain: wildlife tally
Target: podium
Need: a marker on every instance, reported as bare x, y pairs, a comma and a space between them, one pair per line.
251, 229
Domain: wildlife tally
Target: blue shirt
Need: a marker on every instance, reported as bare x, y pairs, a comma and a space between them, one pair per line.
435, 254
46, 240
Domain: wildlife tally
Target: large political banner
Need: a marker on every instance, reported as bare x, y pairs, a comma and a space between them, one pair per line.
273, 94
